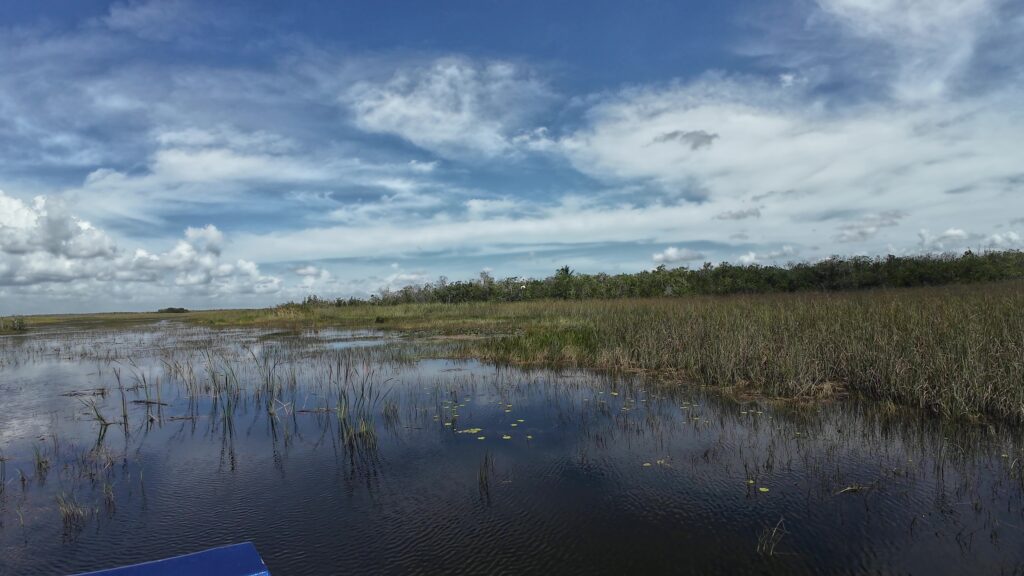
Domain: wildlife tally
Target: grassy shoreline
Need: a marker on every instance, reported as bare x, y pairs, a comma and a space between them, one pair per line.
956, 351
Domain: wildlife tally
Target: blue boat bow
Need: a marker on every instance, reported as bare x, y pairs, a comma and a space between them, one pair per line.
234, 560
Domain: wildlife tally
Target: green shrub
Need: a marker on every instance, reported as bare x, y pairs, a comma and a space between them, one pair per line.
830, 275
13, 324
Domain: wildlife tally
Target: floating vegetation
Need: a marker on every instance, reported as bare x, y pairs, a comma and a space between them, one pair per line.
854, 488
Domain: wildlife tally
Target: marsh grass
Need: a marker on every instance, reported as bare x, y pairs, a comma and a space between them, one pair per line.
13, 325
955, 351
72, 514
770, 538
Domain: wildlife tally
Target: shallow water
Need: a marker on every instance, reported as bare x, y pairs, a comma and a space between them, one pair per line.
343, 452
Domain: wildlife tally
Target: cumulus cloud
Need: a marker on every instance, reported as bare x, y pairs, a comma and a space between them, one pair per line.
957, 239
943, 241
748, 258
207, 239
453, 106
672, 255
42, 244
314, 280
1004, 240
44, 226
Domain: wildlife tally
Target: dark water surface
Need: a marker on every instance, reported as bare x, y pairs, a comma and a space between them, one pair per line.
347, 453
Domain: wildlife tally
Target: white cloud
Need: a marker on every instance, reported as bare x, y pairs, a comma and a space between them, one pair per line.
454, 106
672, 255
883, 169
207, 239
404, 202
868, 227
202, 168
154, 19
225, 137
946, 240
774, 256
482, 207
571, 220
1004, 240
314, 279
43, 247
777, 139
958, 239
45, 227
932, 40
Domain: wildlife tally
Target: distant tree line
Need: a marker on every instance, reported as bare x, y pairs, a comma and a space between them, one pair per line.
836, 273
172, 310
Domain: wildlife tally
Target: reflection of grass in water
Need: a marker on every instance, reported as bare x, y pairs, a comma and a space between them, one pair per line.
41, 462
3, 475
484, 477
109, 500
391, 414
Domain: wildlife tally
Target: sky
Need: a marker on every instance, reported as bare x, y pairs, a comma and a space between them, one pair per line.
233, 154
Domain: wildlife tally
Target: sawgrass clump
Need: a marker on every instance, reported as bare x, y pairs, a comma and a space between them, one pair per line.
954, 350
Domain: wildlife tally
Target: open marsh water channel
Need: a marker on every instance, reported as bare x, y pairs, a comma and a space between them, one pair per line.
359, 453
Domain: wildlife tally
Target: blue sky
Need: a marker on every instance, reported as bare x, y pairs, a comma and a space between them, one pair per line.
222, 154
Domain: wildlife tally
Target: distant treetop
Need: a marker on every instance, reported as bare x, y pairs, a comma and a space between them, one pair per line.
836, 273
